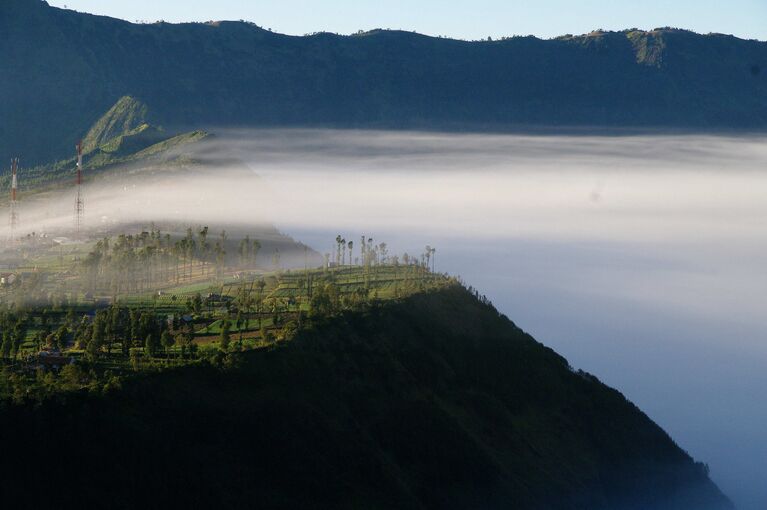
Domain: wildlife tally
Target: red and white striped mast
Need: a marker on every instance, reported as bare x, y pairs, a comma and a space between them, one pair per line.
79, 204
14, 218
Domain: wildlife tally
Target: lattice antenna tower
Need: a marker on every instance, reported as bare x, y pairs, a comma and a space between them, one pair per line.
79, 202
14, 214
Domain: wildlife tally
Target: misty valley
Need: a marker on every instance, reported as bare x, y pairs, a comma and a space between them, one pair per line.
247, 269
232, 250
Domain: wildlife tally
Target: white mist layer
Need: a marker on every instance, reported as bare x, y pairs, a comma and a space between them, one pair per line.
637, 189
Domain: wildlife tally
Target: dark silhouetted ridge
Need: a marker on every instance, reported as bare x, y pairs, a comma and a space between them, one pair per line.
433, 402
63, 69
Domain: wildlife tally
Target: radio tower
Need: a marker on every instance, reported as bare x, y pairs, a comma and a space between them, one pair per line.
79, 204
14, 218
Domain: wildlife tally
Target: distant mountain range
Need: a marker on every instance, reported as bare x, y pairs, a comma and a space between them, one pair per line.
62, 69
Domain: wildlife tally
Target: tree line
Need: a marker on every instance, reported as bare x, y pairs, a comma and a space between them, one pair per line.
136, 263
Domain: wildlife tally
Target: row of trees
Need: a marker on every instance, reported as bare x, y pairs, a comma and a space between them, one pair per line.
137, 263
131, 328
14, 331
117, 325
150, 252
376, 254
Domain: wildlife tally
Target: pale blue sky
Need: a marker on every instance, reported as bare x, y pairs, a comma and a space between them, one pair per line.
465, 19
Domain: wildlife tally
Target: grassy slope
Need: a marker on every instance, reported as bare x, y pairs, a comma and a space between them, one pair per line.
121, 139
127, 116
432, 402
144, 148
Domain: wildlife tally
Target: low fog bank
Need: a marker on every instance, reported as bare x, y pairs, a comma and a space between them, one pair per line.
639, 258
125, 201
639, 189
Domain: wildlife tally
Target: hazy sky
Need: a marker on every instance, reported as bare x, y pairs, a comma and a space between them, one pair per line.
468, 20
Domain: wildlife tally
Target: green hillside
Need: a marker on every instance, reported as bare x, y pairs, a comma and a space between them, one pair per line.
63, 69
124, 134
433, 401
121, 138
128, 117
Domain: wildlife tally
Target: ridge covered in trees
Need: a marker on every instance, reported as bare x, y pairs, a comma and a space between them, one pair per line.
206, 373
431, 401
63, 69
153, 301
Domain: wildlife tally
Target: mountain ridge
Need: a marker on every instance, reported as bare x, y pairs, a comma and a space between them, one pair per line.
127, 117
67, 68
435, 401
121, 139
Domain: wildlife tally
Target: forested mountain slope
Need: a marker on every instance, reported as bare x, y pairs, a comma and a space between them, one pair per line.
434, 401
63, 69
